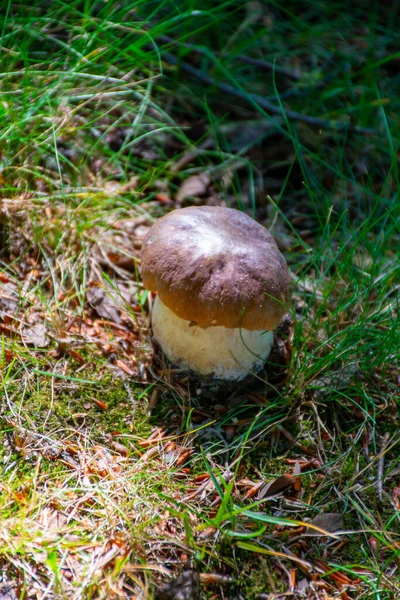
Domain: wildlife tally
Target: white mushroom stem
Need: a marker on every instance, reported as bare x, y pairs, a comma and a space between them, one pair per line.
225, 353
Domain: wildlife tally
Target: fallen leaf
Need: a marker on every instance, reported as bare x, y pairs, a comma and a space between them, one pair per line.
330, 522
279, 485
193, 186
8, 296
103, 303
35, 335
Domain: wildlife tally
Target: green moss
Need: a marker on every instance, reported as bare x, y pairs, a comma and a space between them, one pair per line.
348, 467
272, 467
256, 578
113, 404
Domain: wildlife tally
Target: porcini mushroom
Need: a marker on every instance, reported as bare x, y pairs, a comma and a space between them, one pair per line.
222, 287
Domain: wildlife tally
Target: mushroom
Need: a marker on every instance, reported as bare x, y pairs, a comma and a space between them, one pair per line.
222, 287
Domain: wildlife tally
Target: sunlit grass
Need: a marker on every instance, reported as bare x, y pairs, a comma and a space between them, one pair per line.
94, 121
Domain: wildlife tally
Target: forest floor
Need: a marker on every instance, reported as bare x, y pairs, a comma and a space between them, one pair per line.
117, 481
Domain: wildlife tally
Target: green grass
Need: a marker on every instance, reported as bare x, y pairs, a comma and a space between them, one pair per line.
105, 109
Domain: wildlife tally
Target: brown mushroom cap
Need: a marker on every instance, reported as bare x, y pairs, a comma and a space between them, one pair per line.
216, 266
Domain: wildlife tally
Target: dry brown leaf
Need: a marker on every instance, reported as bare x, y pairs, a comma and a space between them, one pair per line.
330, 522
279, 485
8, 296
103, 303
194, 186
35, 335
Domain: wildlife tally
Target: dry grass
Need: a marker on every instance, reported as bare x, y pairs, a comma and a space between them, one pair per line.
116, 476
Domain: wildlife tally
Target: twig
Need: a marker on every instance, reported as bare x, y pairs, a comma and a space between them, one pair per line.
262, 64
380, 465
262, 102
